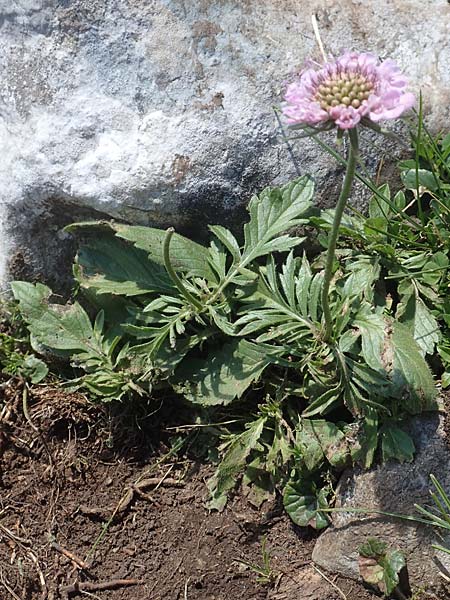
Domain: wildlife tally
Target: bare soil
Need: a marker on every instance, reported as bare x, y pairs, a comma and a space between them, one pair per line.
88, 510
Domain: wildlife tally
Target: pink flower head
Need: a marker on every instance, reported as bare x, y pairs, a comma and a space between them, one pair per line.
346, 90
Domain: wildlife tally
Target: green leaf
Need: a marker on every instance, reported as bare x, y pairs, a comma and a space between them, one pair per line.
67, 331
362, 273
272, 310
111, 266
304, 279
257, 482
399, 200
410, 374
225, 374
379, 204
228, 240
274, 211
396, 443
420, 177
446, 143
372, 327
373, 548
185, 255
324, 401
445, 380
59, 327
233, 463
376, 228
320, 439
421, 323
308, 444
303, 500
166, 356
392, 349
281, 449
34, 369
380, 567
365, 439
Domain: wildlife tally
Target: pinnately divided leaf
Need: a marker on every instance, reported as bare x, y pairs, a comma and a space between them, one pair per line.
233, 463
274, 211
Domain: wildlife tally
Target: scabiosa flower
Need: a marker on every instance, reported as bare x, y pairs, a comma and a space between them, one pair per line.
353, 87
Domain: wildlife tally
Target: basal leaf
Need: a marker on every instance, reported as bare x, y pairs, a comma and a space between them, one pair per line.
379, 204
257, 483
111, 266
304, 279
225, 374
362, 273
228, 240
271, 308
320, 439
56, 326
34, 369
364, 439
233, 463
308, 444
303, 500
409, 373
412, 179
396, 444
323, 401
415, 314
372, 328
165, 357
186, 255
380, 567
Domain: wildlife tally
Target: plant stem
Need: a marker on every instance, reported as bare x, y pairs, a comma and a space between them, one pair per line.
340, 206
173, 276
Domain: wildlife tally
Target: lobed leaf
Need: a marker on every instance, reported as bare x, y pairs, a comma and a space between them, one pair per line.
225, 375
233, 463
59, 327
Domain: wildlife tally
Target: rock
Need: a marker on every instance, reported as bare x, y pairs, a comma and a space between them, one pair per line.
160, 112
304, 584
394, 488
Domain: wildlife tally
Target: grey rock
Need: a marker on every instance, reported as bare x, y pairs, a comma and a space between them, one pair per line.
395, 488
160, 111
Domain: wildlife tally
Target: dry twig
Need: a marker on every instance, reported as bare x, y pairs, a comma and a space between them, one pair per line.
91, 586
73, 557
338, 589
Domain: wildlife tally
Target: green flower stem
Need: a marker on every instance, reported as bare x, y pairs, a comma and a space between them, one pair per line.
340, 206
173, 276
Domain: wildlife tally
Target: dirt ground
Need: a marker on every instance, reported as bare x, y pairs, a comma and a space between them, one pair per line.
85, 512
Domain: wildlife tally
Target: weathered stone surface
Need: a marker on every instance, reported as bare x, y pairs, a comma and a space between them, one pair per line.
395, 488
160, 111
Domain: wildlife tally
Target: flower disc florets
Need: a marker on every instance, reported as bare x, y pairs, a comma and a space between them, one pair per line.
345, 91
